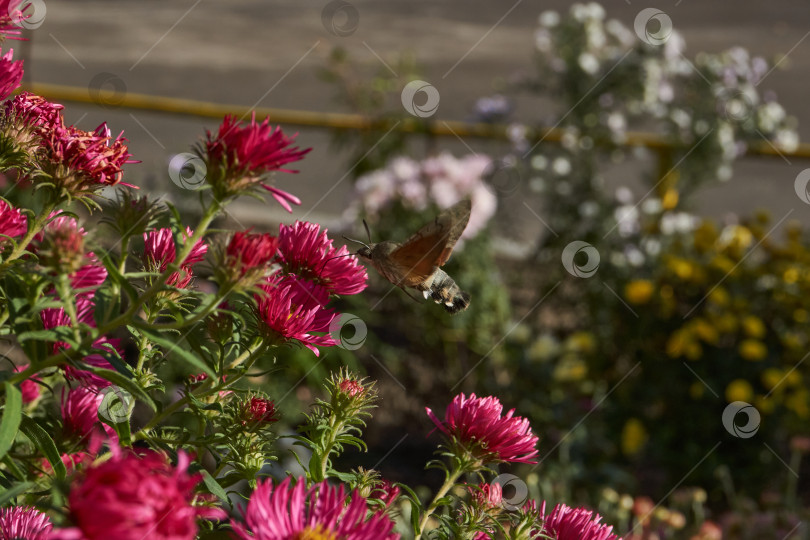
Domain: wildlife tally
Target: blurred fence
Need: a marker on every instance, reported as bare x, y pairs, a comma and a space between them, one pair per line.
324, 120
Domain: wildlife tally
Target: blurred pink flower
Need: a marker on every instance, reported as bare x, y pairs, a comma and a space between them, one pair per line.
487, 496
11, 73
307, 252
24, 522
10, 18
443, 180
80, 413
241, 155
292, 309
322, 511
13, 222
476, 425
84, 161
29, 388
247, 251
566, 523
132, 497
89, 277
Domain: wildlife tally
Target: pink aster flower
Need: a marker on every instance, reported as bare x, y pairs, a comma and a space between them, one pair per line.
240, 156
24, 522
247, 251
89, 277
10, 18
477, 426
53, 317
487, 496
13, 222
566, 523
31, 110
133, 497
80, 413
29, 388
81, 162
282, 511
11, 73
292, 309
73, 462
307, 252
159, 250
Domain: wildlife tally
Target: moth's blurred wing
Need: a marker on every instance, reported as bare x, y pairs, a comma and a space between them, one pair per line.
431, 246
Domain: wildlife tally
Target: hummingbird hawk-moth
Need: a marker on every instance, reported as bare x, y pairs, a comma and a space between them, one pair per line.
416, 262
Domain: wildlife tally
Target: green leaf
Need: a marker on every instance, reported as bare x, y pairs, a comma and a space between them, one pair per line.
115, 275
12, 413
124, 382
175, 348
214, 487
45, 444
12, 492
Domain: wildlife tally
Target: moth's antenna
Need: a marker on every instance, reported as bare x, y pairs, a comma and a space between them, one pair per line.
333, 258
356, 241
368, 232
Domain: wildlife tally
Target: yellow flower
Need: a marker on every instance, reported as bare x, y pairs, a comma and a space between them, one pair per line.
693, 350
753, 326
570, 369
582, 342
676, 344
751, 349
544, 348
800, 315
791, 275
726, 323
705, 330
670, 199
771, 377
634, 437
739, 390
793, 378
696, 390
682, 268
719, 296
764, 405
639, 291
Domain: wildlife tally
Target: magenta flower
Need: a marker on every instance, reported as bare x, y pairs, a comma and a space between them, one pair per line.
307, 252
133, 497
13, 222
80, 413
159, 249
29, 388
31, 110
24, 522
53, 317
566, 523
292, 309
89, 277
475, 424
11, 18
322, 511
487, 496
80, 162
247, 251
11, 73
240, 157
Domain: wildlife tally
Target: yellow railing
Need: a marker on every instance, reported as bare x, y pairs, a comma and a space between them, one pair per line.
189, 107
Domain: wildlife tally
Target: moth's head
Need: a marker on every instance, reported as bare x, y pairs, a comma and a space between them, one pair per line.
364, 251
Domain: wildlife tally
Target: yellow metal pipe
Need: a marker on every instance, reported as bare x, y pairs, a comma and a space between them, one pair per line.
189, 107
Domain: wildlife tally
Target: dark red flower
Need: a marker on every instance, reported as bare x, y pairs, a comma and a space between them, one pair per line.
13, 222
258, 411
240, 157
248, 251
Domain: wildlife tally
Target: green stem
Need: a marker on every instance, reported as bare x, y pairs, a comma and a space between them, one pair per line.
446, 487
35, 227
247, 357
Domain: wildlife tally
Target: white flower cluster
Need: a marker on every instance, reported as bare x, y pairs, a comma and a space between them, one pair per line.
442, 179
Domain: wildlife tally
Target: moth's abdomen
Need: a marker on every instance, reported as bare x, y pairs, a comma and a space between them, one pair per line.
444, 291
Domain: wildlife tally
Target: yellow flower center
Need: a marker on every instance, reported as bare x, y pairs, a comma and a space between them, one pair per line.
318, 533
